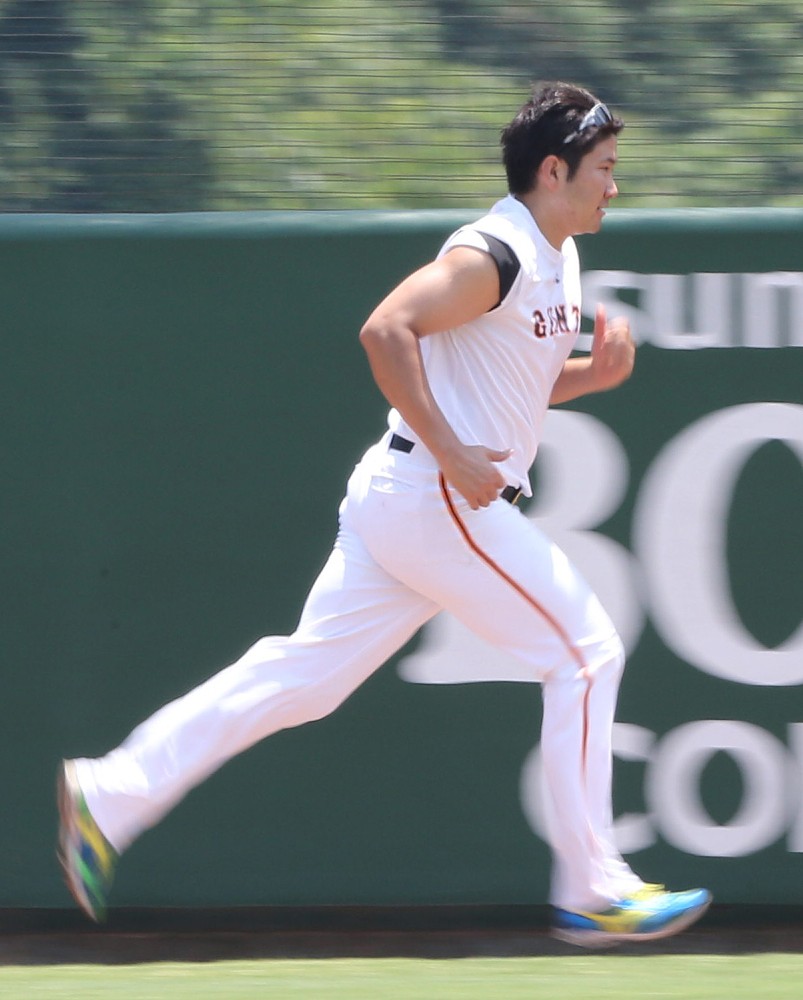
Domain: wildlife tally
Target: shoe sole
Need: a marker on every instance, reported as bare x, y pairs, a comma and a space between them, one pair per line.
68, 834
607, 939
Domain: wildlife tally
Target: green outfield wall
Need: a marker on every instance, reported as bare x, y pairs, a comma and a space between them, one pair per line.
182, 399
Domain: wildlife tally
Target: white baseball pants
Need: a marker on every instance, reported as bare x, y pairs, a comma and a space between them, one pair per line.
408, 546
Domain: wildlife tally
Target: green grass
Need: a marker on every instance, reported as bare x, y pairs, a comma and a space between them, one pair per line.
593, 977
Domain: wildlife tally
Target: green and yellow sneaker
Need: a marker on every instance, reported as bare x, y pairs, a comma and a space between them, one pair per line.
86, 857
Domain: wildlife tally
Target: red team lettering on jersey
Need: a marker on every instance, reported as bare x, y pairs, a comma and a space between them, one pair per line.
555, 322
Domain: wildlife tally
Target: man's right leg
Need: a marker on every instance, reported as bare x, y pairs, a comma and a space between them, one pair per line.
498, 573
355, 618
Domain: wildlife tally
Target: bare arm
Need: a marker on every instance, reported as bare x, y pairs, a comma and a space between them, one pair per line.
610, 363
442, 295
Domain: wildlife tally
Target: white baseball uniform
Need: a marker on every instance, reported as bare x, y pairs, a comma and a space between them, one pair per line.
408, 546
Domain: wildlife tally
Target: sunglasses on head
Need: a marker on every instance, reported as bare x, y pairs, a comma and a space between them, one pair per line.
598, 115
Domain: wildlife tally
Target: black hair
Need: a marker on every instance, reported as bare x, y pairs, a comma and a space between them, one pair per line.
547, 125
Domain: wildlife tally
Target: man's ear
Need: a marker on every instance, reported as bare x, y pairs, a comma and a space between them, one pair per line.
551, 171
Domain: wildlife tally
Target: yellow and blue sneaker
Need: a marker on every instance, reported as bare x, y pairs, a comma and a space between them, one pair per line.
644, 916
86, 857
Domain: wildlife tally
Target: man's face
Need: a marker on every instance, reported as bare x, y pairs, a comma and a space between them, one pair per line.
587, 194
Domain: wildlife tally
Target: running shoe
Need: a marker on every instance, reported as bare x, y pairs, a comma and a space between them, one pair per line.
87, 859
645, 916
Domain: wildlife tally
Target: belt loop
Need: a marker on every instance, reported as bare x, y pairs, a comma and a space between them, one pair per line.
511, 493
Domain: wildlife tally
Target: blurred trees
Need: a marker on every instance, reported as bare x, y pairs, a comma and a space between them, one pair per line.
173, 105
710, 90
85, 128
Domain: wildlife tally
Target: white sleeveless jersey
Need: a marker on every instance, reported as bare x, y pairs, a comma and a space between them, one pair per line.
493, 377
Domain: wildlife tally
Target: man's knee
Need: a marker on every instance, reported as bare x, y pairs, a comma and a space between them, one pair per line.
602, 658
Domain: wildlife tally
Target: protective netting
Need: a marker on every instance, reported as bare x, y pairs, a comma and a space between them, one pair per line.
168, 105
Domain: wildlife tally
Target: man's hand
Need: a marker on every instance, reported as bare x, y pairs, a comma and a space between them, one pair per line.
472, 471
613, 352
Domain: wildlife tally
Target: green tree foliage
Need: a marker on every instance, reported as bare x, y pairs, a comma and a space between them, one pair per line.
710, 90
85, 129
172, 105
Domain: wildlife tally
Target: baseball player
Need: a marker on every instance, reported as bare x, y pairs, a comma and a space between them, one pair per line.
470, 351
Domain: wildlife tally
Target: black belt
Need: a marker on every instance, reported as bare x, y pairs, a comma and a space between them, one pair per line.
399, 443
